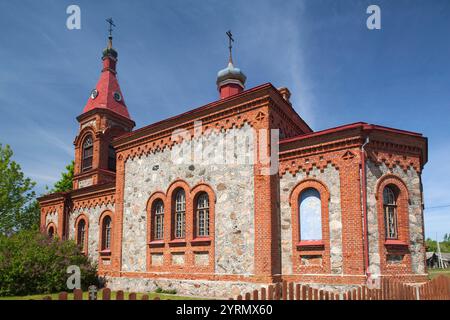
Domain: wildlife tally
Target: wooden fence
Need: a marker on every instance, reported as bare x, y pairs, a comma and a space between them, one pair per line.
106, 295
388, 289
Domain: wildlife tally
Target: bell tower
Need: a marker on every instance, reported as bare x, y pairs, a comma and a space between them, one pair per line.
104, 118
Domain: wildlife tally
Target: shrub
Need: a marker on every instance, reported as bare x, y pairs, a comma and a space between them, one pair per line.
169, 291
31, 263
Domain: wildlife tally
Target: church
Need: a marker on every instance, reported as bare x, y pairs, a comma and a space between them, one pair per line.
238, 194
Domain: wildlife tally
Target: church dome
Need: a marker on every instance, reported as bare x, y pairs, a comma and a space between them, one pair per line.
231, 74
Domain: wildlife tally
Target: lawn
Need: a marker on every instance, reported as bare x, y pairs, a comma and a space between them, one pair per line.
433, 273
54, 296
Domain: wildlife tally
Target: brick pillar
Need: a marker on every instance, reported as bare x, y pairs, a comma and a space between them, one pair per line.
267, 255
352, 232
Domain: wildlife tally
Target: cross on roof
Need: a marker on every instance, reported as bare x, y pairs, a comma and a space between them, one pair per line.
230, 41
111, 25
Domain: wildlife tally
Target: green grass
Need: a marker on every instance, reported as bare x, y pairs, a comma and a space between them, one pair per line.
54, 296
433, 273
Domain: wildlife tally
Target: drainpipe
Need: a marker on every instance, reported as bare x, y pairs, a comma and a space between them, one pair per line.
364, 207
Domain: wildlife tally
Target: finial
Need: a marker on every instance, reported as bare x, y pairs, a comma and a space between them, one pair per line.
111, 25
230, 45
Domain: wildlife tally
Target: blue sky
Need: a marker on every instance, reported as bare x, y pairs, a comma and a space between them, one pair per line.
170, 51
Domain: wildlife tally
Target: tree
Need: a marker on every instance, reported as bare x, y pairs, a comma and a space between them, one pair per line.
65, 183
18, 208
32, 263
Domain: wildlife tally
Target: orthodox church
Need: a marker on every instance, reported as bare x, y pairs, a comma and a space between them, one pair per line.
238, 194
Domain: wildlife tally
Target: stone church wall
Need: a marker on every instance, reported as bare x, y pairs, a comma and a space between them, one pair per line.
412, 180
233, 185
330, 177
93, 215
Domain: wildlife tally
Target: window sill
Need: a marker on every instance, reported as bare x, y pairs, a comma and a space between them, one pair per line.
105, 253
395, 243
156, 243
201, 240
311, 245
177, 242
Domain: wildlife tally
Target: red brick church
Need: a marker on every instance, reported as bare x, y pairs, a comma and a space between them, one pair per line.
153, 207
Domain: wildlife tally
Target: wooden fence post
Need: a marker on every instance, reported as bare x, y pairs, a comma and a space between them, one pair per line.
284, 290
106, 294
132, 296
263, 294
144, 297
239, 297
119, 295
77, 294
270, 293
297, 291
248, 296
255, 295
291, 291
277, 291
62, 296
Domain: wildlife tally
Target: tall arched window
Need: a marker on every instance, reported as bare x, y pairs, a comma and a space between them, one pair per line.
158, 212
180, 214
106, 233
202, 215
111, 158
310, 215
81, 234
88, 153
390, 211
51, 232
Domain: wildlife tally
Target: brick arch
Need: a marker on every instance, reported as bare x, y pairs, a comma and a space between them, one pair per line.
399, 246
83, 134
195, 192
310, 248
170, 205
51, 225
103, 215
84, 217
155, 196
391, 179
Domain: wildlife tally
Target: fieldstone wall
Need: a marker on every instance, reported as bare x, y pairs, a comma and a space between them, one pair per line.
201, 288
93, 215
232, 183
412, 181
52, 217
330, 177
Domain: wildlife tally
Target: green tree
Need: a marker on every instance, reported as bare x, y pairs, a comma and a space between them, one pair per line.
18, 208
65, 183
31, 263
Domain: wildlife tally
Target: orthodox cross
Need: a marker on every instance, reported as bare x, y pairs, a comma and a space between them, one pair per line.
230, 41
111, 25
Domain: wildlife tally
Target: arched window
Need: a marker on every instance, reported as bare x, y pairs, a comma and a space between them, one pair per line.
180, 214
310, 215
81, 234
111, 158
51, 232
202, 215
158, 213
88, 153
106, 233
390, 211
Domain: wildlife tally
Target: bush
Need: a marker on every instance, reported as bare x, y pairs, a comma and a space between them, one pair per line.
161, 290
31, 263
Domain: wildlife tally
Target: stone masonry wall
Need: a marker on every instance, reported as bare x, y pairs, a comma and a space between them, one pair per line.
415, 213
233, 185
52, 217
93, 215
330, 177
